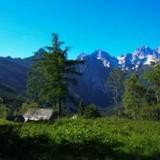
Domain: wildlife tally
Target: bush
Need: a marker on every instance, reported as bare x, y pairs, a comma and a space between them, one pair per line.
91, 111
1, 100
151, 112
3, 111
27, 105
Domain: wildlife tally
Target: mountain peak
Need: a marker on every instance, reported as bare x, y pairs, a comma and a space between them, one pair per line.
143, 55
100, 54
40, 52
158, 50
82, 56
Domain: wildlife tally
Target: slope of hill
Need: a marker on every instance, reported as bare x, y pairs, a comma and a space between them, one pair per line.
10, 97
13, 72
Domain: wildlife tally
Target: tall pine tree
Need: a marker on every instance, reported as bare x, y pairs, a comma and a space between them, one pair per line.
134, 96
51, 76
115, 82
153, 78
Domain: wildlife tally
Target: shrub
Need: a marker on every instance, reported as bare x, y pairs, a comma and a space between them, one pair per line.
150, 112
27, 105
91, 111
3, 111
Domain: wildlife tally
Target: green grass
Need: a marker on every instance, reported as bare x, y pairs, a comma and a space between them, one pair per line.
88, 139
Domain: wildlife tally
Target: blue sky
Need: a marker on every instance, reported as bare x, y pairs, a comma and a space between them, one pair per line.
116, 26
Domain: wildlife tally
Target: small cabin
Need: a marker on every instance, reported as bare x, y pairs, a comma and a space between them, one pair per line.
39, 114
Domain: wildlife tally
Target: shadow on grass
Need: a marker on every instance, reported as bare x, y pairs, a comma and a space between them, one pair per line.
13, 147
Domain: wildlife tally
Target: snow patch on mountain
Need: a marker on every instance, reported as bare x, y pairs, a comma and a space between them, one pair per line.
141, 56
121, 60
131, 61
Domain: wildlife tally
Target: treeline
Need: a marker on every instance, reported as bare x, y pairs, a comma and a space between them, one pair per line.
10, 101
136, 95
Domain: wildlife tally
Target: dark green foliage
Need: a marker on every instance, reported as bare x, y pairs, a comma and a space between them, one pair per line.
10, 98
142, 94
112, 111
35, 83
91, 111
81, 108
50, 78
1, 100
151, 82
3, 111
115, 82
27, 105
150, 112
134, 97
153, 78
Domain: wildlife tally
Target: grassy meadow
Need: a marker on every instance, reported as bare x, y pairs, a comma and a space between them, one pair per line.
76, 139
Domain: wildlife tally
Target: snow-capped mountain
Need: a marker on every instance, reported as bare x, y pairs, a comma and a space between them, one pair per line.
140, 57
95, 72
131, 61
105, 58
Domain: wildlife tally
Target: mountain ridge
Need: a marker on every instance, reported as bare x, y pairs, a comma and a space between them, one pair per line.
140, 53
141, 56
14, 71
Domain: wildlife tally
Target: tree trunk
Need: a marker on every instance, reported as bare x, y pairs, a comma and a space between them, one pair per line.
116, 97
158, 114
158, 97
59, 107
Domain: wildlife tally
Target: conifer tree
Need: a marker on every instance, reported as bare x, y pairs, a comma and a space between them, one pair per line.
134, 96
115, 82
56, 72
153, 78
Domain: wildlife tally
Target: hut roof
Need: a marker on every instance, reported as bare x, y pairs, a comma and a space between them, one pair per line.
38, 114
